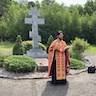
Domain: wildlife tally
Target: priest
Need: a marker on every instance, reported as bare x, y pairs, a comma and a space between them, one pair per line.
58, 60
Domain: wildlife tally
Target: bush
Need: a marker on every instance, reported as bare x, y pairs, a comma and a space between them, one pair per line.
18, 48
77, 64
1, 61
76, 55
78, 47
28, 45
50, 40
19, 64
42, 46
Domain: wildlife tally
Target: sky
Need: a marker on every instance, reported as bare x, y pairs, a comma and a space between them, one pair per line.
66, 2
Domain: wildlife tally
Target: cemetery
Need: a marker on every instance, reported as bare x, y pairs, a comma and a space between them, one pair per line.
28, 29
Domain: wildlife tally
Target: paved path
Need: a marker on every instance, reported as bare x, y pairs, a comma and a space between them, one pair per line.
83, 84
92, 59
17, 87
78, 85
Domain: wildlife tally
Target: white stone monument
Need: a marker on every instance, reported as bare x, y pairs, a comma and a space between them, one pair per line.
35, 52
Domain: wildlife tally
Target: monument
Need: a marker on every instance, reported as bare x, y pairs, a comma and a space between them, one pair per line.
35, 52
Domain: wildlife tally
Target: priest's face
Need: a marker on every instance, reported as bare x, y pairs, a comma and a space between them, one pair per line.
61, 36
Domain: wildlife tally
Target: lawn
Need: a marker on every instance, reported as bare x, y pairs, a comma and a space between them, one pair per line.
6, 48
91, 50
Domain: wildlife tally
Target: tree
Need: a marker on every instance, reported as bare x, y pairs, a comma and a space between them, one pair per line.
75, 25
93, 29
86, 28
90, 7
37, 3
74, 21
50, 40
3, 28
18, 48
48, 2
4, 4
54, 18
15, 20
80, 9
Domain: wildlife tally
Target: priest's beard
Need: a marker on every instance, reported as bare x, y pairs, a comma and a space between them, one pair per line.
60, 39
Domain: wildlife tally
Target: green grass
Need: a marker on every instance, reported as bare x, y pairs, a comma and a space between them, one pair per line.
6, 45
6, 48
91, 50
77, 64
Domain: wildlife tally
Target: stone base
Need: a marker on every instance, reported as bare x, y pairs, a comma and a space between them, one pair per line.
42, 64
37, 53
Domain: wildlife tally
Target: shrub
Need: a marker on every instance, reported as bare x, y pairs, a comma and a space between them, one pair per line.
77, 64
28, 45
42, 46
50, 40
78, 47
1, 61
19, 64
18, 48
75, 55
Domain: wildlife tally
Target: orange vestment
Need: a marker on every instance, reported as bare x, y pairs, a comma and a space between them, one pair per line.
62, 58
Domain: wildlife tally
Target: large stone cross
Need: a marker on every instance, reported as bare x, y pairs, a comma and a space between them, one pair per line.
35, 52
35, 21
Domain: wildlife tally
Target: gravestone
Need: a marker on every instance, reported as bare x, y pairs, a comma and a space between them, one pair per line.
35, 52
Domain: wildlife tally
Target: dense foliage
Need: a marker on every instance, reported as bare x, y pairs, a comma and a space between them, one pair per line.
78, 47
77, 64
1, 61
28, 45
50, 40
74, 21
20, 64
18, 48
4, 6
